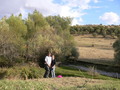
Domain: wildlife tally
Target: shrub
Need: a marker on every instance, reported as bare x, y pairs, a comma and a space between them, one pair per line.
21, 72
92, 71
116, 47
74, 55
4, 62
94, 34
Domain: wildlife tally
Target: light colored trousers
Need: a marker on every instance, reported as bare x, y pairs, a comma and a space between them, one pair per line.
53, 72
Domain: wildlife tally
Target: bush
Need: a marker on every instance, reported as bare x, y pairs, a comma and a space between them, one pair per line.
74, 55
4, 62
21, 72
94, 34
113, 35
92, 71
116, 47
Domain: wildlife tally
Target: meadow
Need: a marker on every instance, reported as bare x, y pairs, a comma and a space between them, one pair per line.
66, 83
95, 49
72, 79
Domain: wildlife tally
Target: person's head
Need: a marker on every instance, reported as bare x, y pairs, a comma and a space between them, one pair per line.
49, 54
53, 57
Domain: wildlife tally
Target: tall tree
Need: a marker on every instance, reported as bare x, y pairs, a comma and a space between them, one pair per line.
17, 25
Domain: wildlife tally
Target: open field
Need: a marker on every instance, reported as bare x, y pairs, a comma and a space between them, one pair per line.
96, 50
26, 72
65, 83
73, 79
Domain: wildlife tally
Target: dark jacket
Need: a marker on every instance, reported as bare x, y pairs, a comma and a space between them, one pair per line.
53, 63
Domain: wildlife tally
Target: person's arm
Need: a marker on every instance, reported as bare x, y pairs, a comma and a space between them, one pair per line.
47, 64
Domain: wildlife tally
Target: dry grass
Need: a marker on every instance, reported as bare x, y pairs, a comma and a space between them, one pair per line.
97, 50
65, 83
70, 81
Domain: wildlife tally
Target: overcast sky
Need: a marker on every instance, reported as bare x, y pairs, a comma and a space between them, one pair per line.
83, 11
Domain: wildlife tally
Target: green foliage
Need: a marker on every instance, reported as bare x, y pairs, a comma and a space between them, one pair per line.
113, 35
29, 39
17, 25
116, 47
61, 26
94, 34
11, 45
104, 34
21, 72
75, 53
38, 19
4, 62
59, 23
110, 30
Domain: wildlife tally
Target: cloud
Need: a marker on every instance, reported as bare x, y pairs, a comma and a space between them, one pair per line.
8, 7
71, 8
77, 21
46, 7
81, 4
110, 18
74, 9
96, 1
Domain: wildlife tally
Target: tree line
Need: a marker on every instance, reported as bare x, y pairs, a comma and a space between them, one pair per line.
112, 31
23, 40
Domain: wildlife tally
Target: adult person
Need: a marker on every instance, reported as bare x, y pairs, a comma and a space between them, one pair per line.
48, 60
53, 66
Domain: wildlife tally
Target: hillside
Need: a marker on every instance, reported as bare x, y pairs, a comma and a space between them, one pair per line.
95, 50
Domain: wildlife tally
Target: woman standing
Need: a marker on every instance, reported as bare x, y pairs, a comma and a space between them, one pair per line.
53, 66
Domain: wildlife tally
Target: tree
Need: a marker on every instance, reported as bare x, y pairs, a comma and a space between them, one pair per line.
17, 26
59, 23
11, 46
35, 23
116, 47
29, 39
62, 28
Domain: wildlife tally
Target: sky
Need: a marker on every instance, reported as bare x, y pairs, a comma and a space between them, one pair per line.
83, 12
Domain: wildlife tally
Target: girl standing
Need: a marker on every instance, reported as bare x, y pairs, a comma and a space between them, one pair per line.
53, 66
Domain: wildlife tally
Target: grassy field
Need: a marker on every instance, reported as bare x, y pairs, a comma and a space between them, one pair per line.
96, 50
26, 72
65, 83
73, 79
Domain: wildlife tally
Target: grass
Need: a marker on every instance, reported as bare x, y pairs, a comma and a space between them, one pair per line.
73, 79
21, 72
65, 83
26, 72
95, 50
68, 71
